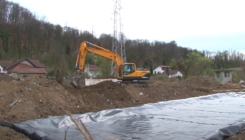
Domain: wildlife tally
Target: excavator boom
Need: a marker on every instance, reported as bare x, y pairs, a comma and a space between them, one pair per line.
80, 62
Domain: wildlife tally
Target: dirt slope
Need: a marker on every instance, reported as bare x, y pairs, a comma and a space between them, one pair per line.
36, 96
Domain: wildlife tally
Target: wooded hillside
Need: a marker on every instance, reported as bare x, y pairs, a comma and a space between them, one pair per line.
24, 35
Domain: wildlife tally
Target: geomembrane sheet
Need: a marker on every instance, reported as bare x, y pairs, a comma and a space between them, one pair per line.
206, 117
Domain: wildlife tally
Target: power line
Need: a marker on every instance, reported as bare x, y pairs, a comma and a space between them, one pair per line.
118, 42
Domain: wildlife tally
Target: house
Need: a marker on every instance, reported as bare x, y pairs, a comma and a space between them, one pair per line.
22, 67
92, 70
160, 69
223, 76
175, 73
4, 65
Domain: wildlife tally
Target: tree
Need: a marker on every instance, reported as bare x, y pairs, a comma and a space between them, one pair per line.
105, 65
148, 64
227, 59
68, 49
5, 39
194, 65
4, 6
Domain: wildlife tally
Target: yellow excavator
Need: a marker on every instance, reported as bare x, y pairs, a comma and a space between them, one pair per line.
127, 72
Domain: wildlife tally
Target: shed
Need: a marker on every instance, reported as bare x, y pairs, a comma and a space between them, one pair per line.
223, 76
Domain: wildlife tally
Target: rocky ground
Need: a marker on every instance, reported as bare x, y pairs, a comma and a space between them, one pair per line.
36, 96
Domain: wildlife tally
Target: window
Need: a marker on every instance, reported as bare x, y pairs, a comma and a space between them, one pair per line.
128, 68
227, 74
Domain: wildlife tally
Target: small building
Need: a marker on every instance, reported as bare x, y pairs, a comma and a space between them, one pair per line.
175, 73
223, 76
160, 69
23, 67
4, 65
92, 70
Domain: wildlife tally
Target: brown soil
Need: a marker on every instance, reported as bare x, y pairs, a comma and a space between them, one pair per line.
10, 134
36, 97
5, 77
239, 136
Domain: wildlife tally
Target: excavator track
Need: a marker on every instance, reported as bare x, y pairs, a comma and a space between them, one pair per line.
136, 83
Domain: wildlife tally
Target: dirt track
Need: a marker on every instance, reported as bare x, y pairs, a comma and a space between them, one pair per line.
38, 97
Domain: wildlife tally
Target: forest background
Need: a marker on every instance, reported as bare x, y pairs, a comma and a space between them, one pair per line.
23, 35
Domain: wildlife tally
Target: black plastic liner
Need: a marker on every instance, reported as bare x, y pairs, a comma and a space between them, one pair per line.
225, 132
206, 117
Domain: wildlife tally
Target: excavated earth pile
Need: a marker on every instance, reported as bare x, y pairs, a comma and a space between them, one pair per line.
31, 98
105, 95
35, 96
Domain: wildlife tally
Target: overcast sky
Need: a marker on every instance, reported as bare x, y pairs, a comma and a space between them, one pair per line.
213, 25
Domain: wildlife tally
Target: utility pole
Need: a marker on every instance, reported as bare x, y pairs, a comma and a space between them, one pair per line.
118, 42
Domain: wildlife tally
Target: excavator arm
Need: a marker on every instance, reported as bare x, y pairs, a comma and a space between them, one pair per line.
80, 62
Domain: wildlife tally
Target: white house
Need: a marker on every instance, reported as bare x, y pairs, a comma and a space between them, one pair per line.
175, 73
4, 65
160, 69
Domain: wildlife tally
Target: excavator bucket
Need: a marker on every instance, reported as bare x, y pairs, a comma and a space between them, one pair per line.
74, 84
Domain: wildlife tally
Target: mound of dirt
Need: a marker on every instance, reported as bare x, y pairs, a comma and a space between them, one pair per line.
31, 98
5, 77
110, 90
203, 81
104, 95
239, 136
36, 96
10, 134
171, 89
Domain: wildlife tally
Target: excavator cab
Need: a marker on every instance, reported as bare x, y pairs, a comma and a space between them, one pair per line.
126, 69
129, 72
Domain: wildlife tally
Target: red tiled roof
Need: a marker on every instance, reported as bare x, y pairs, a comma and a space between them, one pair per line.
5, 64
36, 63
34, 67
92, 67
24, 69
171, 72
